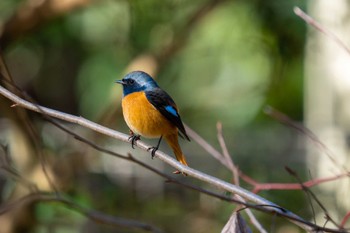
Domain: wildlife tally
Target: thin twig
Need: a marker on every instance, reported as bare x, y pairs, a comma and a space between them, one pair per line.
312, 195
235, 173
28, 125
345, 219
257, 187
226, 154
206, 146
309, 20
9, 169
284, 119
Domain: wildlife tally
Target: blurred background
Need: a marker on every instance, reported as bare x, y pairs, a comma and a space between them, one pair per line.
221, 60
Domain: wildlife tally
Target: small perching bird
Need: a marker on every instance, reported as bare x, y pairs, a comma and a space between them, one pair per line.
150, 112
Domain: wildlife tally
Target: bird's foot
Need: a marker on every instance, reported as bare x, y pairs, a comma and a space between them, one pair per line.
133, 138
177, 172
153, 150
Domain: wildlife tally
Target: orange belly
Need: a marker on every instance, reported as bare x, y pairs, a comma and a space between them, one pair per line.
143, 118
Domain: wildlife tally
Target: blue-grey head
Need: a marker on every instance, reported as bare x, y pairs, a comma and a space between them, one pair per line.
137, 81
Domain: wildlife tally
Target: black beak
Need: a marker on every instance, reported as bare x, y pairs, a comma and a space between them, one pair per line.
120, 82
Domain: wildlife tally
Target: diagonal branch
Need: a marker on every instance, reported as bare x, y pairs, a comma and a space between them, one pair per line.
309, 20
312, 196
26, 123
257, 187
260, 203
268, 206
284, 119
19, 102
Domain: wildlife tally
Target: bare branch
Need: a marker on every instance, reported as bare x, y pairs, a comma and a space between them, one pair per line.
235, 172
227, 155
284, 119
345, 219
8, 168
312, 195
28, 125
309, 20
206, 146
262, 204
257, 187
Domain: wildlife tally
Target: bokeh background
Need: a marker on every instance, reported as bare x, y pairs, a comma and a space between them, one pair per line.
221, 61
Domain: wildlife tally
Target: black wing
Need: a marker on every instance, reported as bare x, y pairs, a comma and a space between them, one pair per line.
167, 107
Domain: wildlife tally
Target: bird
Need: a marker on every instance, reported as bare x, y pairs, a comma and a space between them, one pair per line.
150, 112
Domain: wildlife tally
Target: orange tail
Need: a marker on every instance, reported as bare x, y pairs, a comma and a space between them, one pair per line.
173, 142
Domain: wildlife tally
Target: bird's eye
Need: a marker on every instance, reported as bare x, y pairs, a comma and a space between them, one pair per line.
131, 81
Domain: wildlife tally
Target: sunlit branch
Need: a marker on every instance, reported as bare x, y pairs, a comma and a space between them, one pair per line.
261, 202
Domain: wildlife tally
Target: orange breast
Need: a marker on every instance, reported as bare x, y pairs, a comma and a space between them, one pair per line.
143, 118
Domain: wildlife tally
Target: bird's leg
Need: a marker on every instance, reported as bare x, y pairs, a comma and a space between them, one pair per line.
155, 148
133, 138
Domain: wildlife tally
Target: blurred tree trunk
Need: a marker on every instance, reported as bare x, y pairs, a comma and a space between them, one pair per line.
327, 98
